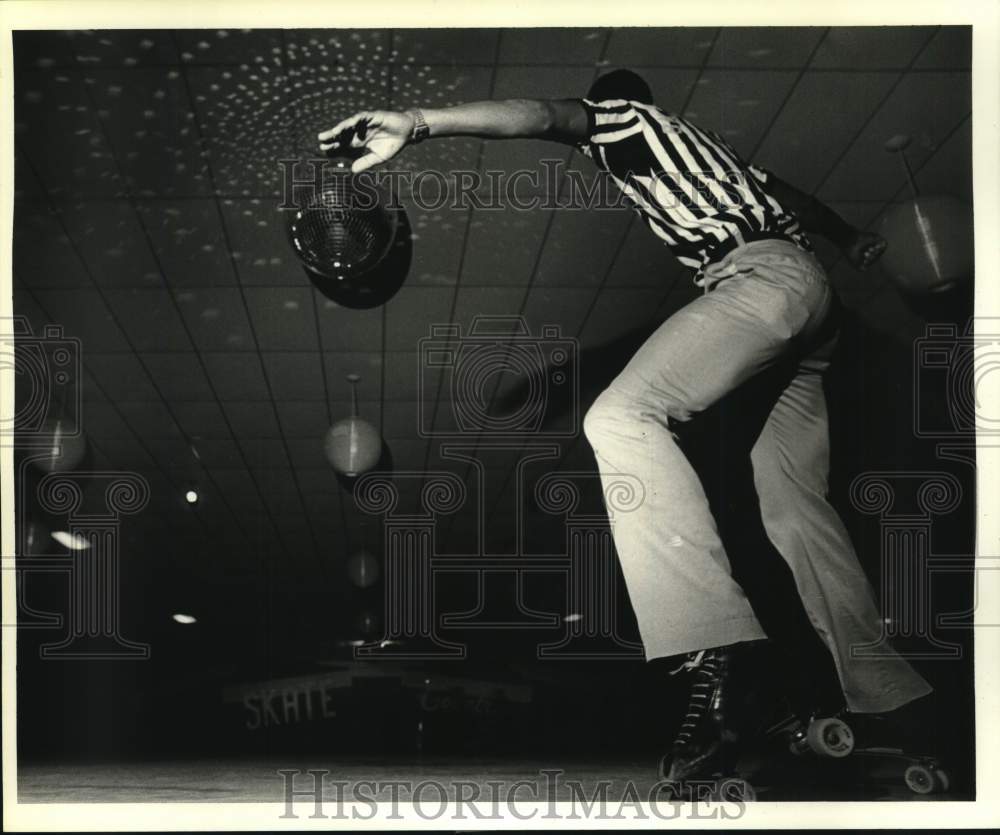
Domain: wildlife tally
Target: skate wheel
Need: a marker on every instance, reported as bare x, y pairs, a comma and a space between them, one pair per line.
923, 779
830, 737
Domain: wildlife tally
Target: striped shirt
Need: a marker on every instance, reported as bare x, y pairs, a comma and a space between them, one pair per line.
688, 184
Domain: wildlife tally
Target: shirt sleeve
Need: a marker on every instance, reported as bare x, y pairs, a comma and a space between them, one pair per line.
762, 175
583, 146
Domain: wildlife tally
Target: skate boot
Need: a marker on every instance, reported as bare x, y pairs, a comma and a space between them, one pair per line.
698, 749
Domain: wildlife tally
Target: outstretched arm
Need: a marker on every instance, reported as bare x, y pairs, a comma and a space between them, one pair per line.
384, 133
862, 249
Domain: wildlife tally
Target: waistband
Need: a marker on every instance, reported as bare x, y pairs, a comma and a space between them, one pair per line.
723, 248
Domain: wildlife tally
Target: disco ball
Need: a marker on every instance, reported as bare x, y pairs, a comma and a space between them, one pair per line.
342, 229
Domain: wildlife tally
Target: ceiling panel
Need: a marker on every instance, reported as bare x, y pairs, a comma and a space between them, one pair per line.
201, 420
739, 105
949, 169
44, 255
871, 47
84, 315
245, 119
127, 454
149, 319
303, 419
342, 329
541, 45
149, 419
93, 48
310, 464
492, 303
436, 265
229, 46
111, 241
581, 246
187, 239
617, 312
294, 375
402, 421
148, 118
175, 458
949, 49
562, 306
644, 261
252, 419
236, 376
121, 376
283, 318
439, 46
804, 131
27, 188
406, 375
927, 106
24, 305
216, 319
675, 47
503, 246
764, 46
48, 108
412, 312
218, 453
269, 454
261, 251
104, 420
368, 366
178, 376
269, 479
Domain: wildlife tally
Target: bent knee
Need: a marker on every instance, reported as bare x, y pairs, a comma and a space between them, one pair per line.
606, 411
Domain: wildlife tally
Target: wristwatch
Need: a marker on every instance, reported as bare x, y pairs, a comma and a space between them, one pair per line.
420, 129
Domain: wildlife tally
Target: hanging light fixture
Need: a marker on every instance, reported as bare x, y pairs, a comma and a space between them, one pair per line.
930, 237
352, 445
67, 448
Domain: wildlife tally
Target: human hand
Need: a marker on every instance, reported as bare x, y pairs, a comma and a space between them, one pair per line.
382, 133
864, 249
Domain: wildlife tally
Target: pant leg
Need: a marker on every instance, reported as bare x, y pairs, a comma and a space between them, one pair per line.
673, 560
791, 465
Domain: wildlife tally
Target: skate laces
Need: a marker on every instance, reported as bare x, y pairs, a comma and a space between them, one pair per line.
692, 662
709, 666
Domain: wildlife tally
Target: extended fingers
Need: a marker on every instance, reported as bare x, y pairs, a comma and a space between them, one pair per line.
342, 125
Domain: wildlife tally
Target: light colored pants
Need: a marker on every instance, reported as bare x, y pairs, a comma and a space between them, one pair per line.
771, 306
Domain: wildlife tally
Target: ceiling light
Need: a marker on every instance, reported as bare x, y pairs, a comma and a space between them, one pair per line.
191, 497
185, 619
73, 541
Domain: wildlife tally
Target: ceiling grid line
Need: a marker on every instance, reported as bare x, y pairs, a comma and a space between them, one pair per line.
788, 95
871, 116
461, 265
203, 144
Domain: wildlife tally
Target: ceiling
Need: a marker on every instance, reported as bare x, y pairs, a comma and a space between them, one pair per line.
145, 225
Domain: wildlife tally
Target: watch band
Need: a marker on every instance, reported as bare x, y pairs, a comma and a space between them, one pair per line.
420, 128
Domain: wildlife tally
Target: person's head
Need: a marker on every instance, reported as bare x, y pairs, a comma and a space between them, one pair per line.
620, 84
